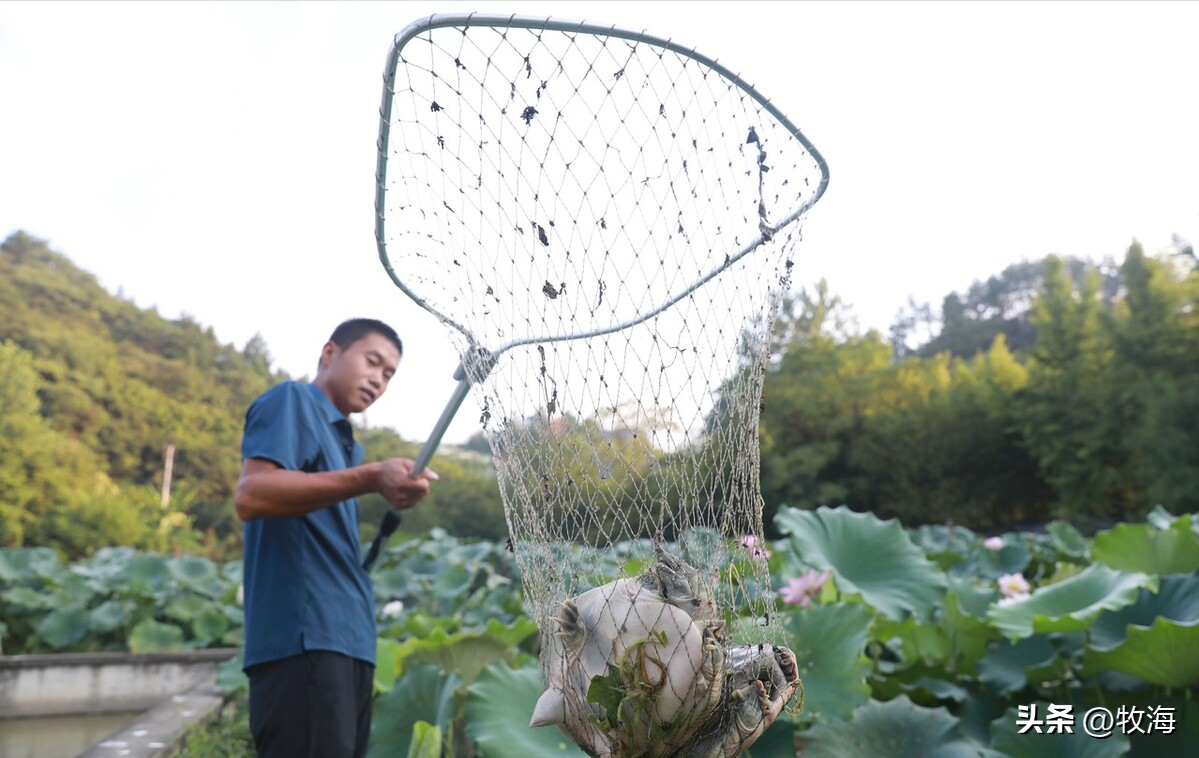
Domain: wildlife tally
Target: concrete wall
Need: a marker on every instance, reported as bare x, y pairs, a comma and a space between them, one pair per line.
74, 683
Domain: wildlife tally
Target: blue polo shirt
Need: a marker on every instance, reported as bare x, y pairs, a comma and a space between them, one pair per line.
305, 588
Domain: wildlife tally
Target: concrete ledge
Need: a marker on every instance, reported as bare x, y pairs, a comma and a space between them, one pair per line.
158, 732
79, 683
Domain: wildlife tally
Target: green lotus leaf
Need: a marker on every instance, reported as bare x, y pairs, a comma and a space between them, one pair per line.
63, 627
465, 653
424, 693
186, 608
1068, 540
1009, 559
777, 740
1165, 653
27, 599
208, 625
230, 677
1012, 665
1148, 548
938, 538
426, 741
918, 641
973, 599
938, 688
965, 626
106, 617
28, 563
896, 729
106, 570
977, 711
1160, 518
1072, 604
829, 643
1177, 599
394, 582
1006, 738
387, 667
151, 636
454, 582
231, 572
955, 640
146, 575
196, 573
74, 590
947, 547
235, 637
867, 556
498, 707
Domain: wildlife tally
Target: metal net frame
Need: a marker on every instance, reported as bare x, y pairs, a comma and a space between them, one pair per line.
605, 221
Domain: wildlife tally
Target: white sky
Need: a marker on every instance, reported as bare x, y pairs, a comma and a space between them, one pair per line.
217, 158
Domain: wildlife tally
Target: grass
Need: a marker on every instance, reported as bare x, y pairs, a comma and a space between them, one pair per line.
227, 735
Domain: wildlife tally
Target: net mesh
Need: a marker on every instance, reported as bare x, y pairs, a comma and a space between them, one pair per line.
607, 225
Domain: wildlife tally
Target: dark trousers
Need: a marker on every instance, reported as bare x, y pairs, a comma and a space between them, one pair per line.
313, 705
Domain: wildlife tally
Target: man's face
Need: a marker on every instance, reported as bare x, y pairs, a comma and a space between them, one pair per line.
357, 376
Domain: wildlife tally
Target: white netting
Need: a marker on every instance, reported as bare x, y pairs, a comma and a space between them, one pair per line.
555, 196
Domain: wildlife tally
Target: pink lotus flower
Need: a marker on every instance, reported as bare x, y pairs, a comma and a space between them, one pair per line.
1013, 585
993, 543
750, 542
800, 590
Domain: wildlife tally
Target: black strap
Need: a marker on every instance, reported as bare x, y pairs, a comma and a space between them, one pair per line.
387, 527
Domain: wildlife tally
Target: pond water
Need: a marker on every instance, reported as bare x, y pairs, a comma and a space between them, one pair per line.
57, 736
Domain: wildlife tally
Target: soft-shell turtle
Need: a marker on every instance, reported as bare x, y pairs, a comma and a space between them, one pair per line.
639, 667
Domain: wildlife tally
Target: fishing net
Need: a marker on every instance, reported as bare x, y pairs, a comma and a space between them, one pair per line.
606, 222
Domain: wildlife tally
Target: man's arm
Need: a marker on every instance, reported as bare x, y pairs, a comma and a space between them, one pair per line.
266, 490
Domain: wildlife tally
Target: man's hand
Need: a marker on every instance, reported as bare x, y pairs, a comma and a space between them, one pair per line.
267, 491
399, 486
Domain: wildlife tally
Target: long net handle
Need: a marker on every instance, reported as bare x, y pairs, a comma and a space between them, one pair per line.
391, 519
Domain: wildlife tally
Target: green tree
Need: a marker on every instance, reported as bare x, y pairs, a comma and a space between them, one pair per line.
121, 383
945, 450
1153, 376
824, 382
970, 321
52, 488
1063, 411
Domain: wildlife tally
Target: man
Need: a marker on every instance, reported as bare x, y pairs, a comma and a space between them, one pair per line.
310, 610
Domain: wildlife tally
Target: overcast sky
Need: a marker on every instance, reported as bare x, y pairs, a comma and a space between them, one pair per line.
217, 159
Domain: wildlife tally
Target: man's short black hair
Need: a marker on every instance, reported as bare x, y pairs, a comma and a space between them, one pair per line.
349, 332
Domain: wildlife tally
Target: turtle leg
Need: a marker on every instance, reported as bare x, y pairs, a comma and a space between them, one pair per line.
712, 667
570, 627
768, 683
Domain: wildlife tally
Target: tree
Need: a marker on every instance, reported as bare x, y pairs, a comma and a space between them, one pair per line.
1063, 413
52, 488
114, 384
944, 450
1002, 304
1154, 373
820, 388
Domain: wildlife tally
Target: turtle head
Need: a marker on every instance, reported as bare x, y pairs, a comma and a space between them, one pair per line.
681, 585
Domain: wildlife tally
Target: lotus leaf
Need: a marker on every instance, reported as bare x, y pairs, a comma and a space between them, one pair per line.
1148, 548
896, 729
867, 556
1071, 605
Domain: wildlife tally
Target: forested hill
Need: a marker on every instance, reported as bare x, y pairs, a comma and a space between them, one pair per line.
93, 390
100, 387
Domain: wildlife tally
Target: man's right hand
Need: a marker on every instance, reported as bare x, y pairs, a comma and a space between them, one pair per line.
396, 483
